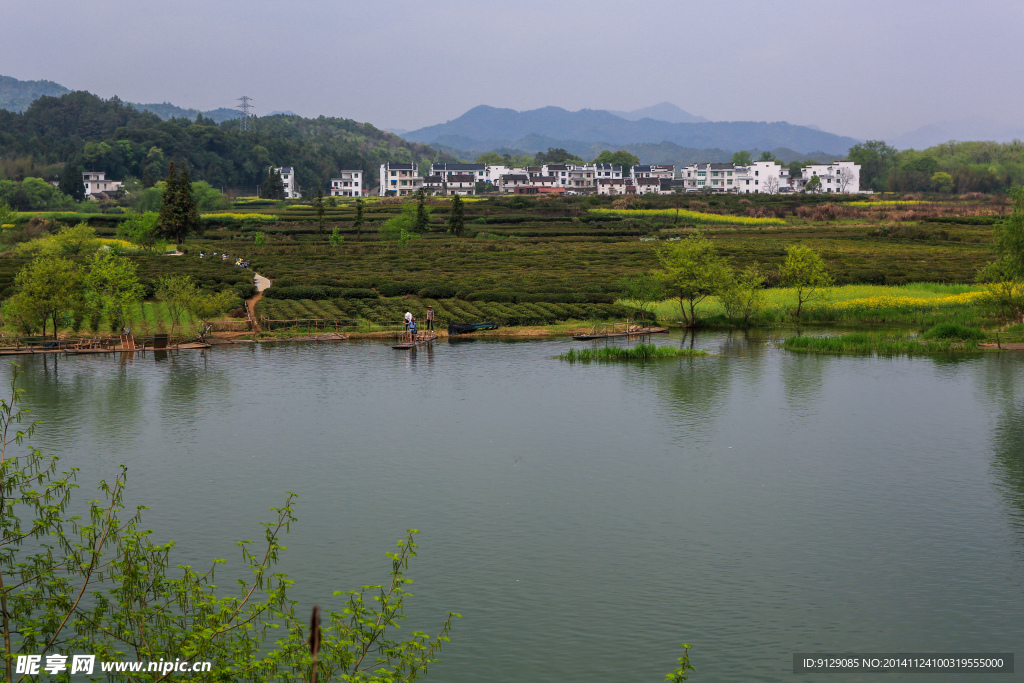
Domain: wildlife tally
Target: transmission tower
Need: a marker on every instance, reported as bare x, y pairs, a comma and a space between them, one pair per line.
244, 107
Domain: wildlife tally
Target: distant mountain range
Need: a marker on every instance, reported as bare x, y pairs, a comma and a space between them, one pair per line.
485, 128
664, 111
16, 96
966, 129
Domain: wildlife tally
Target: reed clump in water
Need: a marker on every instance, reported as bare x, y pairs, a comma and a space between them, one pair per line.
638, 352
881, 344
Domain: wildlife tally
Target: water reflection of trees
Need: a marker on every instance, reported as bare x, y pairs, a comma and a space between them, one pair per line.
1002, 381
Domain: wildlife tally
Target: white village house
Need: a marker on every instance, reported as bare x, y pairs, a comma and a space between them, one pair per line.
347, 184
96, 182
291, 187
399, 180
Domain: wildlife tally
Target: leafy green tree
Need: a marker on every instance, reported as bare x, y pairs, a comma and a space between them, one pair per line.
143, 604
805, 272
140, 229
177, 293
1004, 277
742, 158
318, 206
456, 219
48, 288
621, 158
422, 220
876, 160
813, 185
942, 182
644, 291
767, 156
114, 287
691, 271
71, 182
490, 158
336, 239
208, 198
75, 239
8, 216
744, 297
557, 155
358, 222
208, 307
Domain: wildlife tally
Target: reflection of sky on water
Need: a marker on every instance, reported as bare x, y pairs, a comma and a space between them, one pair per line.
589, 515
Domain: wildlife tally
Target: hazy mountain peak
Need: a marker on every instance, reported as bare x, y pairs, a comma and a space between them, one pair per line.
663, 111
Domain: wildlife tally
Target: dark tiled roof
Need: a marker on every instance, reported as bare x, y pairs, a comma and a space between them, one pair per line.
641, 169
607, 167
461, 178
513, 178
391, 166
456, 167
557, 167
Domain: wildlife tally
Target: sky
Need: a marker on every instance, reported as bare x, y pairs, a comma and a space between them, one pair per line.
864, 68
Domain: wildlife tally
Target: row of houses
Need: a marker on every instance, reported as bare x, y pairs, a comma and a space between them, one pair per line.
759, 177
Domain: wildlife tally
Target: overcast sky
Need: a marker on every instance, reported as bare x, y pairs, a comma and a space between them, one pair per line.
865, 68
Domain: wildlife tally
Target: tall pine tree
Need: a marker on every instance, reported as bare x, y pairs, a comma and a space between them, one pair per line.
179, 214
71, 182
456, 219
273, 186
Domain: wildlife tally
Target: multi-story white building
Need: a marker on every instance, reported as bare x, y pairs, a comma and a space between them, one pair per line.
510, 181
291, 187
478, 171
647, 185
347, 184
96, 182
615, 186
607, 171
653, 171
454, 183
399, 180
581, 178
762, 177
716, 177
837, 177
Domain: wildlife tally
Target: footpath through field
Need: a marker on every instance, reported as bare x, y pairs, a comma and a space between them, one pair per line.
262, 283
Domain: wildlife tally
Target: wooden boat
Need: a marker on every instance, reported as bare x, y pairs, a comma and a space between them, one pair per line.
421, 338
609, 330
468, 328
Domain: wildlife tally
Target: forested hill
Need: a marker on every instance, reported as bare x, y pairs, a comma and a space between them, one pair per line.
109, 135
17, 95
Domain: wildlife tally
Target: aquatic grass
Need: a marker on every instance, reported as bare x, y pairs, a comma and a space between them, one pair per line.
878, 344
691, 216
638, 352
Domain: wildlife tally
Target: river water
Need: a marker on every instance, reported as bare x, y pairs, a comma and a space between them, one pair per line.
586, 519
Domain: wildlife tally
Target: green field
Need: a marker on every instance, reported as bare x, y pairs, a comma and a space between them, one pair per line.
524, 261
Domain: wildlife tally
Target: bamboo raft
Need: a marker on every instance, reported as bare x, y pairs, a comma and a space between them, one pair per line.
416, 341
609, 330
125, 344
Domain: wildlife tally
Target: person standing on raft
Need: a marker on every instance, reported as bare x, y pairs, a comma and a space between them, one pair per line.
430, 318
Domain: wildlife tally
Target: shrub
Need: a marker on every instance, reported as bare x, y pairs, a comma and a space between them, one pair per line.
954, 332
438, 290
389, 289
358, 293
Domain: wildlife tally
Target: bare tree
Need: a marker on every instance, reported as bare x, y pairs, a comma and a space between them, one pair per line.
771, 184
844, 177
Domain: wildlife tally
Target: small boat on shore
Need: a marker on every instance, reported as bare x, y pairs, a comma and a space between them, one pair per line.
467, 328
609, 330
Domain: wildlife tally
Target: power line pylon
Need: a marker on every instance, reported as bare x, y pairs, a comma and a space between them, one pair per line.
244, 107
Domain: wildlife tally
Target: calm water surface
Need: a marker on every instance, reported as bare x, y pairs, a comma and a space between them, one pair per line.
586, 519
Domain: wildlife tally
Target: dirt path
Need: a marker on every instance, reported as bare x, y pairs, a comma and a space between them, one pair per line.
261, 284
